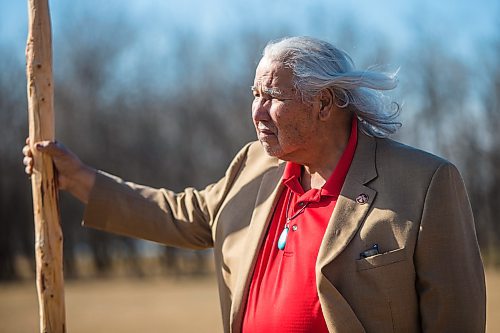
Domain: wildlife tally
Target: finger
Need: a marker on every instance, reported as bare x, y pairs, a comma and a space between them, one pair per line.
28, 161
28, 170
50, 147
42, 145
28, 140
27, 151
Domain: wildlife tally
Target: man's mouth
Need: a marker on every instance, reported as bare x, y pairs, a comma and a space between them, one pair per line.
265, 130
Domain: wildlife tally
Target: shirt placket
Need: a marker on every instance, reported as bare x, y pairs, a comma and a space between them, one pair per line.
295, 226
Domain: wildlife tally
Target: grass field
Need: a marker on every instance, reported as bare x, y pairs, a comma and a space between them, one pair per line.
147, 305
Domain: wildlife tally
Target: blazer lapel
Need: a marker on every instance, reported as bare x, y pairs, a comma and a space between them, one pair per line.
353, 203
267, 197
350, 211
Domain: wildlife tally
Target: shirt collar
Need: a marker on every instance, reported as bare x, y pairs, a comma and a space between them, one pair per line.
291, 177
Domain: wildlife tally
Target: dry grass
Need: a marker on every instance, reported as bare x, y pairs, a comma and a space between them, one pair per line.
120, 305
148, 305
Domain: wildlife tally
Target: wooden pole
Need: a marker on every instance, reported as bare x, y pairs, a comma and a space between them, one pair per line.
48, 234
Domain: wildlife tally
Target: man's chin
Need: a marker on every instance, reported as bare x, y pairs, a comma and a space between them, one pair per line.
271, 150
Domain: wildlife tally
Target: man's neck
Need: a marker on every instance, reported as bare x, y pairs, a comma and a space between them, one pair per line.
317, 177
321, 165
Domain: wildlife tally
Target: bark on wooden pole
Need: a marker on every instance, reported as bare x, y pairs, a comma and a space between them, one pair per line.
48, 235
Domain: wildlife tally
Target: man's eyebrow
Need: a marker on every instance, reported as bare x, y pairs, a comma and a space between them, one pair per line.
272, 91
269, 91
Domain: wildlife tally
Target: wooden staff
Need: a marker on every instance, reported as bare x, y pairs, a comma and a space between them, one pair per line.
48, 235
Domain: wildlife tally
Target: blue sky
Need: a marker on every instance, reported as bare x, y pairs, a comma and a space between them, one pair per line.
458, 22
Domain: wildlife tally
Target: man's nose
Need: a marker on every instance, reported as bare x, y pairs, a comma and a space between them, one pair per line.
260, 109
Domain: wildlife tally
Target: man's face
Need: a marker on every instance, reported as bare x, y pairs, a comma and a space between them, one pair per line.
285, 124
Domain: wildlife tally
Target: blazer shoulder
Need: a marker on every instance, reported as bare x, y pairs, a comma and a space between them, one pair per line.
397, 153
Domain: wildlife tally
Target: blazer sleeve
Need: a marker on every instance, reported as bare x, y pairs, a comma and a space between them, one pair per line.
177, 219
450, 276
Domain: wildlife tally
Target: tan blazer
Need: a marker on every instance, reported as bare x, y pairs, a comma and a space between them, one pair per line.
428, 277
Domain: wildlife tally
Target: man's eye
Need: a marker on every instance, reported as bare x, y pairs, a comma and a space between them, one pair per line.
278, 98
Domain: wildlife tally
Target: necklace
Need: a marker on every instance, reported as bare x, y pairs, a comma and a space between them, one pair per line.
284, 233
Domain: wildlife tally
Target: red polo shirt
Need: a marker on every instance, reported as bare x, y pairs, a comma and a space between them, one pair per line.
283, 295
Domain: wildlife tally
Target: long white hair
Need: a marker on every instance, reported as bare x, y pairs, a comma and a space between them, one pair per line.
317, 65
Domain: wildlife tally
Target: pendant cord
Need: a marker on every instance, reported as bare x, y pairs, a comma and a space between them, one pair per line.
284, 234
288, 219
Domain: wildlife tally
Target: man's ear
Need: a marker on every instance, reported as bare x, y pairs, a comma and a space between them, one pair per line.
326, 103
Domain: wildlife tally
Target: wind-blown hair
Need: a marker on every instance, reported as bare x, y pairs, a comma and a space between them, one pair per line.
317, 65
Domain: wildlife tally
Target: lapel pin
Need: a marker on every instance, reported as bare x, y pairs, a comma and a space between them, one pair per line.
362, 199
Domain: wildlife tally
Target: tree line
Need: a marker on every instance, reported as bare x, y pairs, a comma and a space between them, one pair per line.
178, 121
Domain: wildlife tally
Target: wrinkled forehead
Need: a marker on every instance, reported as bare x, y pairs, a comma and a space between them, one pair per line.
273, 74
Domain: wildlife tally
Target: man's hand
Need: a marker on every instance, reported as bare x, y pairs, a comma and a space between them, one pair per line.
72, 174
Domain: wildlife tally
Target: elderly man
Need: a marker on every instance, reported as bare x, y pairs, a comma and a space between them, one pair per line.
331, 227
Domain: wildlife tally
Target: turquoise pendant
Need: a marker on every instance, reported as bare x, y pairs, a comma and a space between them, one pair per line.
282, 239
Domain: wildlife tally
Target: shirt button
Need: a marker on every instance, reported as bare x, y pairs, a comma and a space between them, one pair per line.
295, 227
301, 204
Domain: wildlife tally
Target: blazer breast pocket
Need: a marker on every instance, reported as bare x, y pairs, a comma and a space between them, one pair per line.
382, 259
